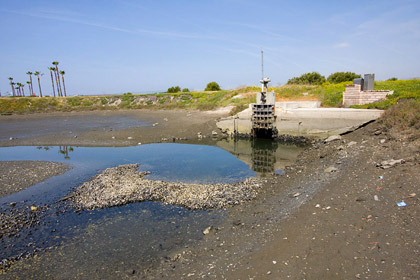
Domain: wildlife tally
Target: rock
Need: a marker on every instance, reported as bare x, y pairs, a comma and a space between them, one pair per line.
165, 119
33, 208
207, 230
139, 143
332, 138
340, 148
11, 138
213, 133
390, 163
330, 169
296, 194
383, 141
130, 138
113, 137
155, 124
352, 143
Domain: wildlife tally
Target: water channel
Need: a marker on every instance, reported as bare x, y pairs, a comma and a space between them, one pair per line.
118, 241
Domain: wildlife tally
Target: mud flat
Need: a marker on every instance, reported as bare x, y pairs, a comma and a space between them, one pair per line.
19, 175
125, 184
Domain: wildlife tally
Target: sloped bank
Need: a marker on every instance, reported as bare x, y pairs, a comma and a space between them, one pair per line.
125, 184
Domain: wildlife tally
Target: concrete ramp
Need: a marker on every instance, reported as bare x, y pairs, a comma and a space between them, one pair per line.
304, 119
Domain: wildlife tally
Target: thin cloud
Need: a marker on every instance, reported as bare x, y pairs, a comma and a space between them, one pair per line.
341, 45
110, 27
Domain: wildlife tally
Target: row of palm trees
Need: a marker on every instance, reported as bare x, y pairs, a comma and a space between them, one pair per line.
56, 79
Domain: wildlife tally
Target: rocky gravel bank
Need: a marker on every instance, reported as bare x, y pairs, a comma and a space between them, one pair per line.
125, 184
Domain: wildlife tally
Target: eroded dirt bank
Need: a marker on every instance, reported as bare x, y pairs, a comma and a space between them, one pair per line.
333, 216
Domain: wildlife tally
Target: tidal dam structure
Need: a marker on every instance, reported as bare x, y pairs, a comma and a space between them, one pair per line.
263, 113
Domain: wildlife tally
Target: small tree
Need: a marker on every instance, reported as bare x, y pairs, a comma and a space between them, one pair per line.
313, 78
174, 89
393, 79
185, 90
339, 77
212, 86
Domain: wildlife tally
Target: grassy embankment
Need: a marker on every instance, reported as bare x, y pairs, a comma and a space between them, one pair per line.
330, 95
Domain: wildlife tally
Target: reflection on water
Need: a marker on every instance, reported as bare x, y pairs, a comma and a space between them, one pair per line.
110, 243
263, 156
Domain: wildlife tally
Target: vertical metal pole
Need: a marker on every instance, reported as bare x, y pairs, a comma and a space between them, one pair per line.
262, 69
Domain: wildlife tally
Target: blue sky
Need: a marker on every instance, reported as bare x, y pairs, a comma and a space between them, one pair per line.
116, 46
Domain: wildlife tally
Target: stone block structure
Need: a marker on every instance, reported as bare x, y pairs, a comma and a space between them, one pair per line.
354, 95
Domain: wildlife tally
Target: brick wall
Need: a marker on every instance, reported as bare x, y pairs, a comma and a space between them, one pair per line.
353, 95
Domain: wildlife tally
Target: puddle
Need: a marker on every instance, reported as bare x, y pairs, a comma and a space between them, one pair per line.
115, 242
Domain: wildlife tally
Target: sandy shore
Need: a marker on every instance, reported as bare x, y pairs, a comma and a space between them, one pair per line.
333, 215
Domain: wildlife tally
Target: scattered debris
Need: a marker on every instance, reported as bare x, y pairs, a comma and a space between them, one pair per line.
330, 169
332, 138
401, 204
352, 143
375, 197
390, 163
207, 230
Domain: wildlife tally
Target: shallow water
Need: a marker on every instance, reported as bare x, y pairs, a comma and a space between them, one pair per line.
115, 242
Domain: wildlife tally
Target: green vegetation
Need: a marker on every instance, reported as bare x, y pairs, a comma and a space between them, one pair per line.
339, 77
212, 86
330, 95
403, 119
403, 90
313, 78
173, 89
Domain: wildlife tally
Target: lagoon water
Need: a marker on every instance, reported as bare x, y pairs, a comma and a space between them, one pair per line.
114, 242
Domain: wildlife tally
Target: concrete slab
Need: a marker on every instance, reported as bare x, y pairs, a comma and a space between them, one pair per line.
308, 122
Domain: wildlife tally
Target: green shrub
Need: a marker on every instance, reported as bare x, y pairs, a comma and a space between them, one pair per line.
339, 77
173, 89
313, 78
212, 86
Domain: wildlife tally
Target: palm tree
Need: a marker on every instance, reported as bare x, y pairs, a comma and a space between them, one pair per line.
56, 81
52, 79
37, 73
12, 84
19, 87
23, 91
31, 87
64, 85
55, 63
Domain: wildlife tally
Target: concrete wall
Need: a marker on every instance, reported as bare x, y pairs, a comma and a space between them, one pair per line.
353, 95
